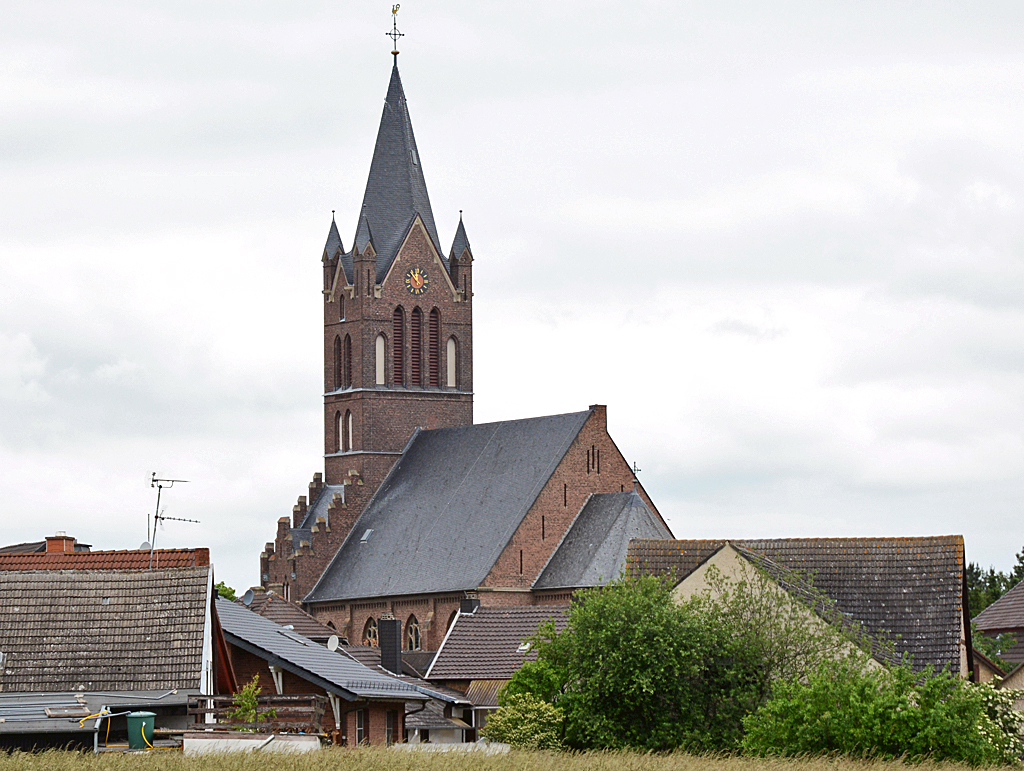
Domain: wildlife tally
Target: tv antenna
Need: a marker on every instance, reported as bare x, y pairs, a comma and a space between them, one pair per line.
158, 515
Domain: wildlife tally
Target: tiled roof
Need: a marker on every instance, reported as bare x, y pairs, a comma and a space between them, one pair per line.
484, 693
1004, 614
396, 190
281, 611
593, 551
905, 589
369, 656
331, 670
484, 645
107, 560
432, 718
453, 499
461, 242
102, 630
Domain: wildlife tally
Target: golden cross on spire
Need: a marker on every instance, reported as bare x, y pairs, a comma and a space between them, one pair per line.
394, 34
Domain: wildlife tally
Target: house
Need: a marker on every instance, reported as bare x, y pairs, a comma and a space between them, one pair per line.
83, 628
365, 706
485, 647
417, 508
910, 592
1006, 616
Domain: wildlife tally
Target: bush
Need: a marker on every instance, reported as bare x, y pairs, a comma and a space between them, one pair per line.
847, 707
525, 722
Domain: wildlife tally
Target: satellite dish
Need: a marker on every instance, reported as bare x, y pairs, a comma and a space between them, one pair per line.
145, 546
333, 642
247, 597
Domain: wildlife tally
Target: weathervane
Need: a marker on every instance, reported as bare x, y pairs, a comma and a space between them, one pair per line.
394, 34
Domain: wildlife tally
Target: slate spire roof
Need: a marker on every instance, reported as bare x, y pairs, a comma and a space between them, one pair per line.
461, 242
333, 240
395, 190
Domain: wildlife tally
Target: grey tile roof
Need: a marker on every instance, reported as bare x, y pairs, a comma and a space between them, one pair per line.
281, 611
1006, 613
485, 645
461, 242
432, 718
448, 508
905, 589
102, 630
331, 670
395, 189
593, 551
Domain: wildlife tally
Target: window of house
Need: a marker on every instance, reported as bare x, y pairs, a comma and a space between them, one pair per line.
398, 346
362, 726
416, 348
452, 363
434, 345
380, 359
412, 634
370, 636
392, 726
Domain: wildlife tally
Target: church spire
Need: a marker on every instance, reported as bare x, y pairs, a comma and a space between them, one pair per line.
395, 189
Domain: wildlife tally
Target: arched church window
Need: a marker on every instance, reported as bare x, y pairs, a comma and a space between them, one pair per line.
380, 359
451, 619
452, 363
338, 364
434, 344
338, 431
348, 432
412, 634
398, 345
341, 305
416, 348
347, 382
370, 633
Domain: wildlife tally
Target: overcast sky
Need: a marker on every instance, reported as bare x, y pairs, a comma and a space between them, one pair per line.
783, 242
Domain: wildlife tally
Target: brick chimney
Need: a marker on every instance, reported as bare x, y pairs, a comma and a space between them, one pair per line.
60, 543
389, 631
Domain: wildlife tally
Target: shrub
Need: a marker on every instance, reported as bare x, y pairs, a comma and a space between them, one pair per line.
847, 707
525, 722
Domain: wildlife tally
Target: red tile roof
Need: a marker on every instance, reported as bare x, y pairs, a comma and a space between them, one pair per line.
106, 560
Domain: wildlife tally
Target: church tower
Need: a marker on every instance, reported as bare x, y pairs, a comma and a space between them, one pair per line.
398, 349
398, 315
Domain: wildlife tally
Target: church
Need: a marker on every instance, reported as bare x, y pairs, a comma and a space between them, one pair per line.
419, 510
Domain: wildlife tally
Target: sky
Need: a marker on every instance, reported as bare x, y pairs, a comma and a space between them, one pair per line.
783, 242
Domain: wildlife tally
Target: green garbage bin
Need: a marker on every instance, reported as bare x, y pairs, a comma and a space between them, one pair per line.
140, 730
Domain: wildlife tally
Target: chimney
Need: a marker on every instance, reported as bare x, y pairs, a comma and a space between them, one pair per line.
468, 607
389, 632
60, 543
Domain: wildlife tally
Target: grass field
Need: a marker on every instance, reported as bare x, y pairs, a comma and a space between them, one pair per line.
339, 759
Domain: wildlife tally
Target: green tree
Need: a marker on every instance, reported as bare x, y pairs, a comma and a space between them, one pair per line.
994, 646
246, 704
225, 591
849, 706
634, 669
526, 722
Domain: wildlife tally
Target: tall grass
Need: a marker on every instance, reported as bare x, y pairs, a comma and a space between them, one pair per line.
375, 759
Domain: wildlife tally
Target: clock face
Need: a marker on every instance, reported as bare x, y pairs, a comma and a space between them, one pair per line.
416, 281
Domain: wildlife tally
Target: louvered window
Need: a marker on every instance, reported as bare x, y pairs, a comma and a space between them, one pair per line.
416, 348
348, 362
338, 365
398, 346
434, 343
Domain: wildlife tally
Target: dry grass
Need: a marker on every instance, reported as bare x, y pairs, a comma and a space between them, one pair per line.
339, 759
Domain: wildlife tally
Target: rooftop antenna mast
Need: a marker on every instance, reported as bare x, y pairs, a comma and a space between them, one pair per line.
158, 517
394, 34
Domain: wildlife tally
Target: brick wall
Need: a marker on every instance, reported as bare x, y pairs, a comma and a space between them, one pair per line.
433, 612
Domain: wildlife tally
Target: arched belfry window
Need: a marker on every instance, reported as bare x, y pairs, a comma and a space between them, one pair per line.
380, 351
398, 345
341, 305
452, 363
434, 346
347, 376
338, 431
416, 348
346, 431
413, 638
370, 632
338, 365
